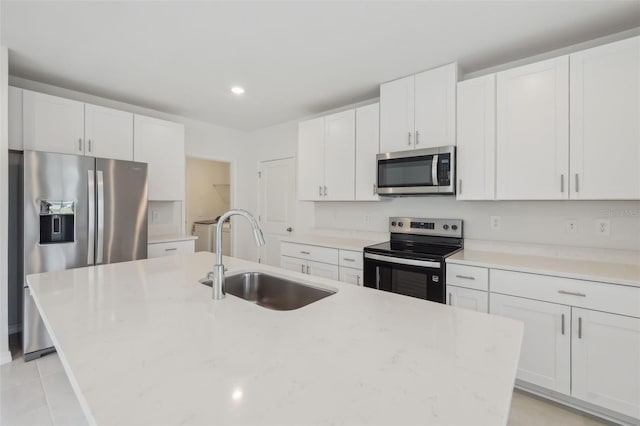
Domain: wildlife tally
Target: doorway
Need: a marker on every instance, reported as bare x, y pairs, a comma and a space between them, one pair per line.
276, 205
208, 194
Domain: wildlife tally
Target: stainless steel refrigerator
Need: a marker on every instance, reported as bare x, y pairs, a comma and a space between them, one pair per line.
78, 211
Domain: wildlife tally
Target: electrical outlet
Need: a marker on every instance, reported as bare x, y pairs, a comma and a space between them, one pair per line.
495, 223
572, 226
367, 219
155, 216
603, 227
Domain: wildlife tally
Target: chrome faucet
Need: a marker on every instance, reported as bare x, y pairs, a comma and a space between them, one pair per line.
217, 275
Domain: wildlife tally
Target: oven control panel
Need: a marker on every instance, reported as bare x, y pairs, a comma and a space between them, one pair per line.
422, 226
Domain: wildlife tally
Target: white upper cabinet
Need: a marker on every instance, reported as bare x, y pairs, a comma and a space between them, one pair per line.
339, 156
419, 111
435, 107
605, 122
327, 157
476, 147
311, 159
108, 133
52, 124
397, 115
161, 144
14, 114
533, 131
605, 351
367, 147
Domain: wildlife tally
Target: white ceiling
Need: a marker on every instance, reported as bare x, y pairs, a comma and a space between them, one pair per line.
293, 58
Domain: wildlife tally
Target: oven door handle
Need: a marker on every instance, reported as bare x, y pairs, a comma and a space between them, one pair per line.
403, 261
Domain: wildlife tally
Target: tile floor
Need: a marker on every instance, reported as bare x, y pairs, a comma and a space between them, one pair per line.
37, 393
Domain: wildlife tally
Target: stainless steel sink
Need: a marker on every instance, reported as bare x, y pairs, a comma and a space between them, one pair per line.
272, 292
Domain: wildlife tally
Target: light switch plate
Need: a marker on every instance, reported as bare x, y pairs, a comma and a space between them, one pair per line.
572, 226
496, 223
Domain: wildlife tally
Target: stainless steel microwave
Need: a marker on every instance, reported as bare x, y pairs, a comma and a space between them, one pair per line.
417, 172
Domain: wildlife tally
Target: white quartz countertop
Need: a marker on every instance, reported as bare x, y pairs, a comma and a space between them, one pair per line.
168, 238
143, 343
615, 273
329, 241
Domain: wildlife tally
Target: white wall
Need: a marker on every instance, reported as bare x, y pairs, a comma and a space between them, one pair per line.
5, 355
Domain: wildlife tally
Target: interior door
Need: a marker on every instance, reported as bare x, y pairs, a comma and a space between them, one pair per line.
121, 204
276, 201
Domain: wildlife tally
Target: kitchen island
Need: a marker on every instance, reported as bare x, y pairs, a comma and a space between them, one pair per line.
143, 343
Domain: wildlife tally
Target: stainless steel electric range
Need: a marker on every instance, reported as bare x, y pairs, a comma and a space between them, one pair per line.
412, 262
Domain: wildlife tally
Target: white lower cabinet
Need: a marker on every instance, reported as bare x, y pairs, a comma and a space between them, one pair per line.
546, 347
309, 267
466, 298
351, 275
321, 261
170, 248
606, 360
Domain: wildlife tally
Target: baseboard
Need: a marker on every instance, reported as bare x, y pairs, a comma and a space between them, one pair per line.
5, 357
577, 404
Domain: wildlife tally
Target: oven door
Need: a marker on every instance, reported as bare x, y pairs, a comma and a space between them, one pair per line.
412, 277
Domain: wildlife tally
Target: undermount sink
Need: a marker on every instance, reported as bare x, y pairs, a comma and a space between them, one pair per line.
272, 292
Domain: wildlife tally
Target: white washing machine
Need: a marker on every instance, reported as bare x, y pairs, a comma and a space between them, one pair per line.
205, 230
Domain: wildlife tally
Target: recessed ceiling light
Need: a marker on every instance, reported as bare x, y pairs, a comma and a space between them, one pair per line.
237, 90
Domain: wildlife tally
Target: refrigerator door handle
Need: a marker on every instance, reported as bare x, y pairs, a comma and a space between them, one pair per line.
100, 213
91, 196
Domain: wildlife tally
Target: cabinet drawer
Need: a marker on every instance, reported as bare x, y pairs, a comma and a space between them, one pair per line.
605, 297
351, 259
472, 277
170, 249
315, 253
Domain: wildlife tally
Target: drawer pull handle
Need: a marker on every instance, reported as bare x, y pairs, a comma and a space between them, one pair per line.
171, 249
302, 268
562, 329
305, 252
579, 327
357, 279
466, 277
572, 293
308, 273
449, 299
348, 260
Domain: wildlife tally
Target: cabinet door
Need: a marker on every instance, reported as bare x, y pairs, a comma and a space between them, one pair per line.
435, 107
367, 147
14, 114
161, 144
108, 132
351, 275
340, 156
476, 151
533, 131
52, 124
605, 122
293, 264
397, 115
311, 159
545, 357
606, 360
474, 300
323, 270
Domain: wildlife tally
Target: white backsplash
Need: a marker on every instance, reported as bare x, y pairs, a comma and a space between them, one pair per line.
165, 218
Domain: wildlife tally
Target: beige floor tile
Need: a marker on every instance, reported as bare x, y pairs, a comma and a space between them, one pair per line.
17, 373
528, 410
38, 417
18, 401
63, 403
49, 364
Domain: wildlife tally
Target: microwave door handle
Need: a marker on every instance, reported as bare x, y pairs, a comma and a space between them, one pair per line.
434, 170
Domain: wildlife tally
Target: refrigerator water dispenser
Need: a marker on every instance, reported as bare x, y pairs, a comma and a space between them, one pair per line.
57, 222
